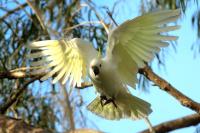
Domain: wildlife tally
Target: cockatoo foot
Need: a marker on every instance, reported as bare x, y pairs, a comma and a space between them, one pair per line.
111, 100
104, 100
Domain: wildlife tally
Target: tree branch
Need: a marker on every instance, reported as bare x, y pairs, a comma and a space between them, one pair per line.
19, 73
38, 14
165, 86
81, 24
12, 125
69, 113
190, 120
12, 11
84, 85
15, 96
98, 17
15, 74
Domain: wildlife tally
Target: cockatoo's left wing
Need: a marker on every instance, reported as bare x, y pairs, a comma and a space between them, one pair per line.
64, 60
136, 41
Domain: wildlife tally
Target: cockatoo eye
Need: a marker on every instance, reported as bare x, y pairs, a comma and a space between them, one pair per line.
95, 70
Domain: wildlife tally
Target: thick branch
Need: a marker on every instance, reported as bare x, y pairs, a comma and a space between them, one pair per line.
19, 73
12, 125
164, 85
14, 97
190, 120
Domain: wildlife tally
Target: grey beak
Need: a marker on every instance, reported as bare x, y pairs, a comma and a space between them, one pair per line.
95, 70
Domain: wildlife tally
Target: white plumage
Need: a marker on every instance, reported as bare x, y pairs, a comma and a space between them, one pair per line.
66, 60
130, 46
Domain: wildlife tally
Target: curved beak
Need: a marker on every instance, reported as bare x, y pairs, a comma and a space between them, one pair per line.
95, 70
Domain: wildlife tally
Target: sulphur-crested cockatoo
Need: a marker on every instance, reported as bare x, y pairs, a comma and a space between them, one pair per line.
129, 47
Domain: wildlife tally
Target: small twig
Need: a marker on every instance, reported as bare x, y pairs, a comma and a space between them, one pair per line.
28, 15
165, 86
69, 109
38, 15
111, 17
190, 120
98, 17
78, 9
81, 24
13, 11
84, 85
10, 27
147, 121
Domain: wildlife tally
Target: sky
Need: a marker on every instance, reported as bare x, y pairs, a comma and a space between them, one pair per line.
181, 70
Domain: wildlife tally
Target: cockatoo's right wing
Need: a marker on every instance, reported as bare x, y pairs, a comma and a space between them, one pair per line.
136, 41
64, 60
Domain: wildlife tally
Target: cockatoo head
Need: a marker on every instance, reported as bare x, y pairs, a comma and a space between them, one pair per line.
95, 68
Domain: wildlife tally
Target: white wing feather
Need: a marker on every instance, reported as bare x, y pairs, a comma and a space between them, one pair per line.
63, 60
136, 41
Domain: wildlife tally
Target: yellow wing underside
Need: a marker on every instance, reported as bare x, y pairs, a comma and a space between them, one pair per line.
61, 60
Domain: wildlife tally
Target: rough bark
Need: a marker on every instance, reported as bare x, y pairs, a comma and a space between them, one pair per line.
190, 120
12, 125
167, 87
18, 73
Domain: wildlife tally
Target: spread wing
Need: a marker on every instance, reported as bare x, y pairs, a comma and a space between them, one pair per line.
63, 60
136, 41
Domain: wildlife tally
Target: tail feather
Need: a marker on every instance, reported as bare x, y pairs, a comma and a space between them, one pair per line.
138, 107
128, 106
108, 111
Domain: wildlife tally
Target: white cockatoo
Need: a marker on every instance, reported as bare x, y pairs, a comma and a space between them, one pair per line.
129, 47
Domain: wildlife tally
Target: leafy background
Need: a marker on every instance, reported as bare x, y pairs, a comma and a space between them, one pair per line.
60, 108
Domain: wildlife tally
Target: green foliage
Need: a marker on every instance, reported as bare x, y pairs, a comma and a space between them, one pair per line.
19, 27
